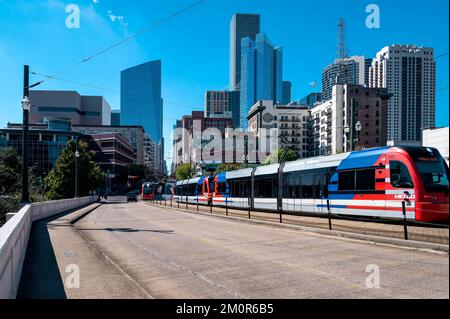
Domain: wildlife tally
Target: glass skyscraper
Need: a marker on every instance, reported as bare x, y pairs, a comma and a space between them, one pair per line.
241, 26
261, 73
140, 98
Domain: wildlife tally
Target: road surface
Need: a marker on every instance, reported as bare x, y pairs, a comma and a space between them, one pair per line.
163, 253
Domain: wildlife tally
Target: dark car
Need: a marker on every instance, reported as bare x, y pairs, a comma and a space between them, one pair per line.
132, 196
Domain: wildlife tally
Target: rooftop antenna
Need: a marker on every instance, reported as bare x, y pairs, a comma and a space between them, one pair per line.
341, 47
341, 52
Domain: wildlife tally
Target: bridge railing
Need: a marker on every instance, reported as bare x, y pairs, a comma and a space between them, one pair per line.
14, 237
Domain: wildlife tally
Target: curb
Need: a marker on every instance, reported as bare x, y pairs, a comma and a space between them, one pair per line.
335, 233
89, 210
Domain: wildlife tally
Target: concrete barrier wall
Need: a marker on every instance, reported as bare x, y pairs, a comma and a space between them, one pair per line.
14, 239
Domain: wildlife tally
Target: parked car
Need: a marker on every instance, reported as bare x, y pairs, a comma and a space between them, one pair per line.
132, 196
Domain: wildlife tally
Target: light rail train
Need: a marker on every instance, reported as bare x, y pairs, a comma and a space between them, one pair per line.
371, 182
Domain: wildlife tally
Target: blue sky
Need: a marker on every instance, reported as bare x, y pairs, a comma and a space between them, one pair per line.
194, 47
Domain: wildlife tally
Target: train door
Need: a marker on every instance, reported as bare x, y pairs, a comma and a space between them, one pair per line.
399, 186
318, 197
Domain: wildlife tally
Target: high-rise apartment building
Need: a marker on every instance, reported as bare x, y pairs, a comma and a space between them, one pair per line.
350, 70
409, 73
140, 98
241, 26
261, 73
335, 122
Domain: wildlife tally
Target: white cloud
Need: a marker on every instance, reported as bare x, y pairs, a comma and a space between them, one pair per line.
96, 1
113, 17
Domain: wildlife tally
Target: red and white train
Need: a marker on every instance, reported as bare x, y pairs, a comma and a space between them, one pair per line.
371, 182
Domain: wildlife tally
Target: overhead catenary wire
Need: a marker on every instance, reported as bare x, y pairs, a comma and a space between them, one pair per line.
126, 39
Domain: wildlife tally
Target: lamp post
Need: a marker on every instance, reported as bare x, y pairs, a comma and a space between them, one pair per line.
26, 105
77, 183
346, 132
358, 128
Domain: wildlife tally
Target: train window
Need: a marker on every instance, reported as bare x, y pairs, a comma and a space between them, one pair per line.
307, 186
365, 179
265, 187
316, 186
346, 181
221, 187
400, 177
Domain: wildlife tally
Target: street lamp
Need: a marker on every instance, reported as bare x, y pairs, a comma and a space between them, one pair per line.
77, 156
358, 128
346, 133
26, 105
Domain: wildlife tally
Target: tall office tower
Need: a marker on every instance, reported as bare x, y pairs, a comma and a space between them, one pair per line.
287, 92
223, 104
261, 73
140, 98
350, 70
409, 73
241, 26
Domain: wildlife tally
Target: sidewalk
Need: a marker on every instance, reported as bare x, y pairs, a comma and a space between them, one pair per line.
55, 249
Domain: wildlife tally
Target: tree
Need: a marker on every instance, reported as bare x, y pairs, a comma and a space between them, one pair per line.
184, 171
10, 171
229, 167
281, 155
60, 182
10, 181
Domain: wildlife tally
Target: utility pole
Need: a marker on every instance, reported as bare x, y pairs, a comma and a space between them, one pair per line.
26, 109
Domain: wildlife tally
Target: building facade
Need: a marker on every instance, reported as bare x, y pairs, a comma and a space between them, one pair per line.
311, 99
438, 138
241, 26
46, 142
287, 92
153, 157
291, 123
350, 70
355, 118
80, 109
133, 134
115, 117
222, 104
261, 73
187, 144
140, 98
409, 73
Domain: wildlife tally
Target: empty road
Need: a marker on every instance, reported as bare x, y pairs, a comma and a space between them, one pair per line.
162, 253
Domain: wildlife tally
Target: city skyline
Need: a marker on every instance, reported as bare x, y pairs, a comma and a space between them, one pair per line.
184, 83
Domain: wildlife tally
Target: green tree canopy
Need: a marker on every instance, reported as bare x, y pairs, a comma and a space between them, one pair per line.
229, 167
10, 171
60, 182
281, 155
184, 171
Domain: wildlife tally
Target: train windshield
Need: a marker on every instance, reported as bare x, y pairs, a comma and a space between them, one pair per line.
434, 173
147, 189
